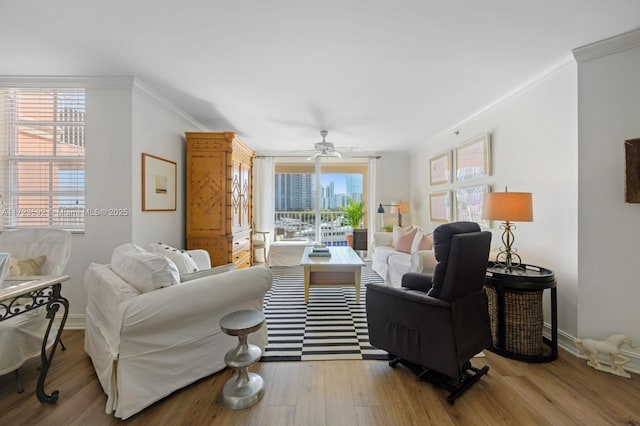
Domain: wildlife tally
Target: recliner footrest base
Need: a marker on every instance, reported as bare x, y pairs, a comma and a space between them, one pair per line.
470, 376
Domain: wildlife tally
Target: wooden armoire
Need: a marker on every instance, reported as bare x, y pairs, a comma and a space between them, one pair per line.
218, 197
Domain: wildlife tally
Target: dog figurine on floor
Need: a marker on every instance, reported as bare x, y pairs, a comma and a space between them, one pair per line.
610, 346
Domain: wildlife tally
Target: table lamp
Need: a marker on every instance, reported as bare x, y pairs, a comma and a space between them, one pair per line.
508, 206
401, 207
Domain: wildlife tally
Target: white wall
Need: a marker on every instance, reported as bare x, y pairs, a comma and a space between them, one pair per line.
608, 101
392, 180
158, 129
534, 146
108, 177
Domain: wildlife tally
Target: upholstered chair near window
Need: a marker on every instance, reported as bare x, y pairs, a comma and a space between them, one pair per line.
260, 245
434, 324
34, 251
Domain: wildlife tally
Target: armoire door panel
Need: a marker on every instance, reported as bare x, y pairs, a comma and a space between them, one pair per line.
206, 186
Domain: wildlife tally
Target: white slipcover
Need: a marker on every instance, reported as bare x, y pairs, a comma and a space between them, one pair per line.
146, 346
21, 336
287, 252
392, 264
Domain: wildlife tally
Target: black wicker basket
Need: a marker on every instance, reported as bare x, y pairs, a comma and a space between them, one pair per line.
524, 320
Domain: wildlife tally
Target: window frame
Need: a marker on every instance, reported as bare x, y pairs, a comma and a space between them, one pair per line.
67, 126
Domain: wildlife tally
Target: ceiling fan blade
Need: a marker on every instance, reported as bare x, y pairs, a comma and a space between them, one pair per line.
314, 156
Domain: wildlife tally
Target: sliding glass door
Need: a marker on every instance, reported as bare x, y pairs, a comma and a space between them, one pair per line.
310, 197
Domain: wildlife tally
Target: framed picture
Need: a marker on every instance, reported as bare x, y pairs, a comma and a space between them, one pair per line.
440, 206
632, 171
473, 159
158, 184
469, 204
440, 169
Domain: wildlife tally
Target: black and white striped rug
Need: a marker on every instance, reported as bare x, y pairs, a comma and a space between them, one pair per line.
331, 326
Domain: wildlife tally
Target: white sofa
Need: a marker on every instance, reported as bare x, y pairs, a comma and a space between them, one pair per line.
392, 264
144, 346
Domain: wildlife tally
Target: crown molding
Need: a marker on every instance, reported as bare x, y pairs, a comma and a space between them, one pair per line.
557, 65
608, 46
99, 82
151, 94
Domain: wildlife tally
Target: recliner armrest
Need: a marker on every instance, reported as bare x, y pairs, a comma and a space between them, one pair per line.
408, 295
417, 281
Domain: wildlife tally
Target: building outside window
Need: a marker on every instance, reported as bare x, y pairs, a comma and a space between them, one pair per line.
42, 157
295, 199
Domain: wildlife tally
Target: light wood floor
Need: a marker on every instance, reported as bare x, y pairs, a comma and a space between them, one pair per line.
563, 392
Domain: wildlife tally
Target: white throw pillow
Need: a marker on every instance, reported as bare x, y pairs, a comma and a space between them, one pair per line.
146, 271
184, 262
125, 250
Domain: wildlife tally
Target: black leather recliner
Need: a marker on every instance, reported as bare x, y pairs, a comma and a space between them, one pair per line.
436, 324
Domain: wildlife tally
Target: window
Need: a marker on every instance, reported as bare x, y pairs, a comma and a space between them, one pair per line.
299, 208
42, 157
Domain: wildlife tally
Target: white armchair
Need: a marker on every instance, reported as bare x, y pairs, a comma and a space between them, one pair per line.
21, 336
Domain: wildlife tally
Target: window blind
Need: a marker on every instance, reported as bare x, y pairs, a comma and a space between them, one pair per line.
42, 179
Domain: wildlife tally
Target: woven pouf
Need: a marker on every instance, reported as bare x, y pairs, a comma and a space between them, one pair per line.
524, 320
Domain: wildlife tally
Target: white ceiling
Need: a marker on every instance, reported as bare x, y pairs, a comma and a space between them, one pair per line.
379, 75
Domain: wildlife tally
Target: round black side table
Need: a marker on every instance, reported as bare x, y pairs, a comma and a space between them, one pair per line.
513, 290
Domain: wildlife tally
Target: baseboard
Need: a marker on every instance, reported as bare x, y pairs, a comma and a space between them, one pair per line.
75, 322
565, 341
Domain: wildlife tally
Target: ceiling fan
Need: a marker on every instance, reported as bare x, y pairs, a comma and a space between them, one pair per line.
324, 148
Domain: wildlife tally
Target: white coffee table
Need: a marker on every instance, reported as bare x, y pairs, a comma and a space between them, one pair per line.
343, 267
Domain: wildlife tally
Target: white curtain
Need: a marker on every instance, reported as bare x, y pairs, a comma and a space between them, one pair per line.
372, 207
263, 193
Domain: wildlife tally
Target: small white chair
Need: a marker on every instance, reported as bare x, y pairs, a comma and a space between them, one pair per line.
260, 243
21, 336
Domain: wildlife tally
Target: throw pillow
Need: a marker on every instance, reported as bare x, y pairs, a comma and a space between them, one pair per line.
421, 242
125, 250
405, 241
399, 232
146, 271
26, 266
182, 259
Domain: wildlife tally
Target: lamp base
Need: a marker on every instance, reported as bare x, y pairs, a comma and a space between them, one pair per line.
507, 257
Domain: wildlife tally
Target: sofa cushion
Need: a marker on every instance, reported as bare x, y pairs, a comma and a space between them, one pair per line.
125, 250
421, 241
146, 271
405, 241
182, 259
399, 232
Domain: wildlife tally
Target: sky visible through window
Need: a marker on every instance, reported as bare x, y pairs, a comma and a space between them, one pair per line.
339, 182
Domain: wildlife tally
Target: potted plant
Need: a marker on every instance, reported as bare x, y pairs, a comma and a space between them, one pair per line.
354, 211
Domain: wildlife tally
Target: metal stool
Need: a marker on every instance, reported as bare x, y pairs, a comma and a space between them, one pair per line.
244, 389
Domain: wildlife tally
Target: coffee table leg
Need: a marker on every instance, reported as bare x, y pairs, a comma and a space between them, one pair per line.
357, 273
307, 278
